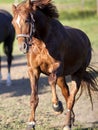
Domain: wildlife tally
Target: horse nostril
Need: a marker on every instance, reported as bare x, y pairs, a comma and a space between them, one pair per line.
24, 46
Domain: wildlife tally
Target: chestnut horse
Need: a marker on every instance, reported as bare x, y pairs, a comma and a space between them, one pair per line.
54, 50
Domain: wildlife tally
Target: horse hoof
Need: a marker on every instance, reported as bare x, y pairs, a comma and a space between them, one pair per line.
58, 108
8, 82
66, 128
31, 126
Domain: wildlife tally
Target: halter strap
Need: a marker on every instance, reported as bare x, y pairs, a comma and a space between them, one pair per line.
22, 35
32, 29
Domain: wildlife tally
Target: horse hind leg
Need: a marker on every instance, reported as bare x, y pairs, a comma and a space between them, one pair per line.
65, 92
70, 99
8, 51
9, 61
0, 72
8, 81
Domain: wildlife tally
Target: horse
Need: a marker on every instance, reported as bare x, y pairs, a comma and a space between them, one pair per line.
7, 35
55, 50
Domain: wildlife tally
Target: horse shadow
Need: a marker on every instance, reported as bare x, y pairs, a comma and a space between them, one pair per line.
21, 87
85, 126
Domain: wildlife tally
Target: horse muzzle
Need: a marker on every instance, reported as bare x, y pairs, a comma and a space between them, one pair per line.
24, 47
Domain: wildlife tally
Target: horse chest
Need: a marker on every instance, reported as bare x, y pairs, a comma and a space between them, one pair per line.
41, 58
48, 68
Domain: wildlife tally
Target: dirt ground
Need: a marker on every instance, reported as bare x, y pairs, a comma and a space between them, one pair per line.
15, 108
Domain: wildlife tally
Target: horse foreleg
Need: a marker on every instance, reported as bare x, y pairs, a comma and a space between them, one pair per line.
70, 103
57, 105
33, 75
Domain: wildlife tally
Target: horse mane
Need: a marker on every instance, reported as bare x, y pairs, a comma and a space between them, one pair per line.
49, 10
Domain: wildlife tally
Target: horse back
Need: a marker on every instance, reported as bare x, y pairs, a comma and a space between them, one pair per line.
6, 14
5, 24
70, 46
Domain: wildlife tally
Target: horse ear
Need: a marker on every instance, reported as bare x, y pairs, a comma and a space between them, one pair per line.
13, 8
41, 2
44, 2
28, 3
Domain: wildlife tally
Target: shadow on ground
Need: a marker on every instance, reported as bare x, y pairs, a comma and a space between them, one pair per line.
78, 126
21, 87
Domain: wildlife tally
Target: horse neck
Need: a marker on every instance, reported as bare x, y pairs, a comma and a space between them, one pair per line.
42, 25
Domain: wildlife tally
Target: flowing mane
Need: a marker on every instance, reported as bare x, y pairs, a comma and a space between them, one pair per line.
49, 10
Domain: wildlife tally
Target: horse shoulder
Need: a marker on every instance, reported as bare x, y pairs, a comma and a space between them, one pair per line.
39, 57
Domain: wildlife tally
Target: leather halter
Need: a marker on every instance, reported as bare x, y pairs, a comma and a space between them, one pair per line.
32, 29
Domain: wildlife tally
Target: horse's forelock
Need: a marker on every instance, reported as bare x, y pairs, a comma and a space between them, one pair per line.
21, 7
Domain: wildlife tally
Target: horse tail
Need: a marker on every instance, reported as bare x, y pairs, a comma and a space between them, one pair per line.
90, 81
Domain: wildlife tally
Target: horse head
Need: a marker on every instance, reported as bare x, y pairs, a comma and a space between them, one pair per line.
24, 22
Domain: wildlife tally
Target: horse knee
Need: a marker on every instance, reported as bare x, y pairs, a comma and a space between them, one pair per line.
34, 101
52, 78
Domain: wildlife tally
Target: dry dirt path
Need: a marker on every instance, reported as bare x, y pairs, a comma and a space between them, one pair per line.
15, 108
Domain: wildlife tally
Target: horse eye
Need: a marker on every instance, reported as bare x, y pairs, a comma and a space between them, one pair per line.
27, 21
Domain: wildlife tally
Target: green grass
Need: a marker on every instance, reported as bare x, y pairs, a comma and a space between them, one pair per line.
9, 1
72, 14
86, 21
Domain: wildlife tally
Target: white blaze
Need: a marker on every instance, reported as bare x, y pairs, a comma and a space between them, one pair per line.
18, 21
